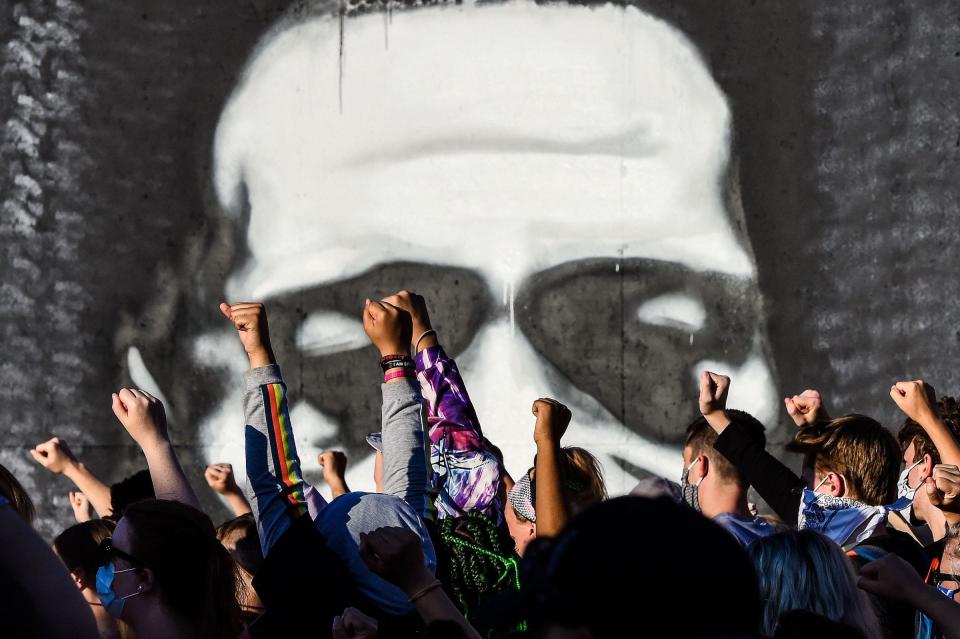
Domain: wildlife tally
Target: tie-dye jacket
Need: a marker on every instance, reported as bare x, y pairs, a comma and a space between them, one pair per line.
466, 475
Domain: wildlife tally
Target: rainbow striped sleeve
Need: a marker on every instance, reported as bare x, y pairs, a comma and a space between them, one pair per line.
283, 450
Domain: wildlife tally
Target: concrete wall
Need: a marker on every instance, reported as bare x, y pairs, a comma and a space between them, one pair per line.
822, 141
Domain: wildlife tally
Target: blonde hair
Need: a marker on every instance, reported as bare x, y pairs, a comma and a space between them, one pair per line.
804, 570
583, 479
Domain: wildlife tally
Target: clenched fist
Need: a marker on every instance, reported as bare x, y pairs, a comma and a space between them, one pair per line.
220, 478
552, 420
388, 327
417, 307
142, 415
916, 399
943, 488
806, 408
54, 455
82, 509
396, 554
250, 320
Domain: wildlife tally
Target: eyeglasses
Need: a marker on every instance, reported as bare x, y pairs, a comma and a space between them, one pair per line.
107, 550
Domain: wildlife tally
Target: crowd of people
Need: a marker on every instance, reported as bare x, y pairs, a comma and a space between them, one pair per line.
862, 542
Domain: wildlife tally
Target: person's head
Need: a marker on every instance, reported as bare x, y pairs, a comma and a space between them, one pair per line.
239, 536
533, 114
130, 490
853, 456
947, 566
624, 562
804, 570
166, 560
479, 560
919, 455
14, 493
583, 486
79, 548
714, 477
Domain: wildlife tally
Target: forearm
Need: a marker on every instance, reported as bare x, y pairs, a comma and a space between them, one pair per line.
338, 486
779, 486
238, 503
96, 491
552, 510
275, 487
169, 482
943, 440
405, 460
436, 606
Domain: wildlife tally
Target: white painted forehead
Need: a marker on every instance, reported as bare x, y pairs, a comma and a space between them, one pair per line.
521, 136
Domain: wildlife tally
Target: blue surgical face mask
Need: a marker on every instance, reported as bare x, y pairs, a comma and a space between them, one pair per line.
112, 602
690, 492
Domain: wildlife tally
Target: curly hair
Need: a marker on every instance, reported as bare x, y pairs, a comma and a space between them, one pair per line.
480, 560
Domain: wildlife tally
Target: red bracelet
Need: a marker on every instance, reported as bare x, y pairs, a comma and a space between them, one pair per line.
395, 373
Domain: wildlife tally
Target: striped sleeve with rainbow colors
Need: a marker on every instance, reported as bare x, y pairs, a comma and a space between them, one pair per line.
275, 487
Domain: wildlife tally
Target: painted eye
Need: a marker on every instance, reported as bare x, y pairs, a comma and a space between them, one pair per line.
674, 310
327, 332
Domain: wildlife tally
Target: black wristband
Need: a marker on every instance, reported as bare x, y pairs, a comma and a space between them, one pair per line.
396, 362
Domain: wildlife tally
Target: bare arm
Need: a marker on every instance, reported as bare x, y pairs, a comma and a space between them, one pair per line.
918, 401
220, 478
56, 456
552, 508
143, 417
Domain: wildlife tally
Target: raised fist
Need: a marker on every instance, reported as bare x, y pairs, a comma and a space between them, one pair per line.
388, 327
82, 510
806, 408
353, 624
916, 399
220, 478
713, 393
417, 307
552, 420
142, 415
396, 554
250, 320
943, 488
54, 455
334, 463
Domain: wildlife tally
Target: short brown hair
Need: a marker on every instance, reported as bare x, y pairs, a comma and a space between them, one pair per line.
860, 449
912, 433
701, 439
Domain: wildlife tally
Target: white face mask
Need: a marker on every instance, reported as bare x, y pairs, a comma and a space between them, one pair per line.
903, 484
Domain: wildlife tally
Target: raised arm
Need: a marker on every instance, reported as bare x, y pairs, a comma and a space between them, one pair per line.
469, 475
220, 478
552, 509
779, 486
56, 456
142, 415
918, 401
275, 488
406, 469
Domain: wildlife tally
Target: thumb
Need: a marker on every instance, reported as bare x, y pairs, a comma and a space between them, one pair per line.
791, 406
225, 309
706, 384
118, 408
933, 493
36, 455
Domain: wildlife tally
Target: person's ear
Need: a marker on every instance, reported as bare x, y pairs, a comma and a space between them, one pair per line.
926, 468
147, 581
703, 464
836, 484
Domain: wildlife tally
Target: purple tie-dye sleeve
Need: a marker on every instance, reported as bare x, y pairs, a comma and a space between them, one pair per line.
467, 475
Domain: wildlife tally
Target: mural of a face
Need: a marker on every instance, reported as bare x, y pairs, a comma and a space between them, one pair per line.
555, 175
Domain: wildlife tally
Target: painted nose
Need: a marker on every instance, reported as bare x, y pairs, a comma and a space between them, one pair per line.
504, 375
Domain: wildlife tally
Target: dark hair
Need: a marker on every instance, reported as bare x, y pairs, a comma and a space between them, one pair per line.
912, 433
79, 546
577, 579
479, 559
130, 490
241, 539
858, 448
701, 439
19, 500
194, 572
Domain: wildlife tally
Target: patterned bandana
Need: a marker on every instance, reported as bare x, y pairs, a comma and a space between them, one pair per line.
521, 498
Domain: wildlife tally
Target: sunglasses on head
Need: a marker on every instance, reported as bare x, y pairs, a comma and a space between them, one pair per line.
107, 550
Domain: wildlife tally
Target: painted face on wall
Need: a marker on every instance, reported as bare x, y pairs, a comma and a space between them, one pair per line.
551, 178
